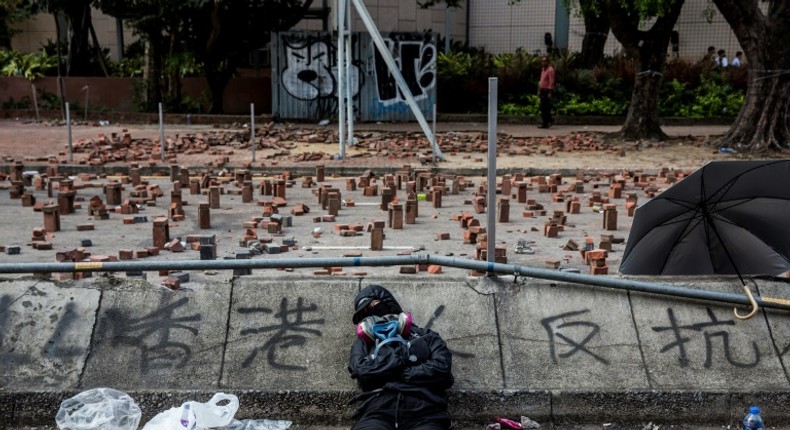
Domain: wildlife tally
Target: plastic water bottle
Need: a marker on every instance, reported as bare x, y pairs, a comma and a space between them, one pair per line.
185, 416
753, 420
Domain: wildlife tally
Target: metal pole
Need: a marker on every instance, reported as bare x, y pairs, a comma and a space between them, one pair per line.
386, 55
87, 89
462, 263
349, 99
68, 126
447, 29
252, 129
341, 75
433, 108
35, 102
161, 133
491, 199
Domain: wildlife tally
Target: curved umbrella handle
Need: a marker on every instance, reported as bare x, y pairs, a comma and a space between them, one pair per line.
753, 302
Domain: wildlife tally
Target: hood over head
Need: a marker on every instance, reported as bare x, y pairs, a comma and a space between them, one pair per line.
368, 294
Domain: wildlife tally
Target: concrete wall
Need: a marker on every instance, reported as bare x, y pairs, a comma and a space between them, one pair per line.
555, 352
118, 93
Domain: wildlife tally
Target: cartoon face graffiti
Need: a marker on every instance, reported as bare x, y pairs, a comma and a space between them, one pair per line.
308, 71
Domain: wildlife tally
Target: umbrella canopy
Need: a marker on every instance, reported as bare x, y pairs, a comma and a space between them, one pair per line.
728, 217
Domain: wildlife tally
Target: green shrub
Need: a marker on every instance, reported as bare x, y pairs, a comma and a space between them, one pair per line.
709, 99
31, 65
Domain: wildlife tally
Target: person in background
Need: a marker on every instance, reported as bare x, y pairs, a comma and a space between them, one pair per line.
736, 62
546, 91
710, 57
721, 60
404, 371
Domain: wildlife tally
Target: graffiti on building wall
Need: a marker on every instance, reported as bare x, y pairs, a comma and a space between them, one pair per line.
308, 71
415, 56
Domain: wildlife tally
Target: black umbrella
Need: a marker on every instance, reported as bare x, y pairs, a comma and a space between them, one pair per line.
729, 217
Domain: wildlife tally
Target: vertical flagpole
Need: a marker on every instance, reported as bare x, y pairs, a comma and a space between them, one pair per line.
341, 56
252, 129
349, 89
491, 199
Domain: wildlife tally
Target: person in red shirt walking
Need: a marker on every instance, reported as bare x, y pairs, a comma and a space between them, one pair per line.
545, 92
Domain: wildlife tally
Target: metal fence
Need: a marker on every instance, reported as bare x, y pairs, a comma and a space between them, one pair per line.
304, 76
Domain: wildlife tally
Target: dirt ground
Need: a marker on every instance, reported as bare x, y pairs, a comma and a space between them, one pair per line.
688, 148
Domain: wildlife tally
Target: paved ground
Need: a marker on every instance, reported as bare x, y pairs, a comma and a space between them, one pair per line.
111, 235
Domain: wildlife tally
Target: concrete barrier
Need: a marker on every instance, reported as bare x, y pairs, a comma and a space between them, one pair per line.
556, 352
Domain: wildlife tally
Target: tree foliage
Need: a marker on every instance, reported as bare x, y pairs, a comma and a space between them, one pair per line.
219, 33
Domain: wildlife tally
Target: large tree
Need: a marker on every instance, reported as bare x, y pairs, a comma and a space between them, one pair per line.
9, 13
648, 46
219, 33
223, 32
764, 120
596, 30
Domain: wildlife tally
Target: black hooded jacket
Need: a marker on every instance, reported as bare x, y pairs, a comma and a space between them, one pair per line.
422, 369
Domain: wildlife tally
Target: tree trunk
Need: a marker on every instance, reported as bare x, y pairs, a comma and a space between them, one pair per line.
79, 16
596, 31
97, 48
5, 31
642, 119
650, 48
217, 82
764, 120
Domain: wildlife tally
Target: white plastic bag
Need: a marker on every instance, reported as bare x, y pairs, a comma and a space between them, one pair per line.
258, 425
197, 416
99, 408
211, 414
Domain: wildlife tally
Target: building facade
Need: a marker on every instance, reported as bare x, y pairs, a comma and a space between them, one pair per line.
494, 25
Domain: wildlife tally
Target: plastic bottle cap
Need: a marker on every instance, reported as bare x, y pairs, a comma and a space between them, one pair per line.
754, 410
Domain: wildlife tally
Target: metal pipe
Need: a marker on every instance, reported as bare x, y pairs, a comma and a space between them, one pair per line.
386, 55
161, 133
68, 126
87, 89
491, 195
35, 101
341, 77
447, 29
252, 129
477, 265
349, 99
